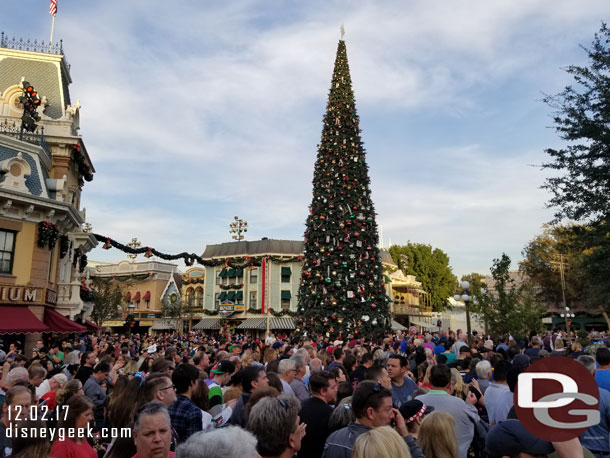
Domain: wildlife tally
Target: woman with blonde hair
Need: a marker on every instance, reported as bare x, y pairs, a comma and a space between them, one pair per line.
436, 436
381, 442
460, 389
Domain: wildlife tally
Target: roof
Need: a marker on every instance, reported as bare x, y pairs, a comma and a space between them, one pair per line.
44, 76
257, 247
386, 258
35, 182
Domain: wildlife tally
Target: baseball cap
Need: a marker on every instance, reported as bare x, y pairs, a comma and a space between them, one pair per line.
277, 345
152, 349
511, 438
223, 367
414, 409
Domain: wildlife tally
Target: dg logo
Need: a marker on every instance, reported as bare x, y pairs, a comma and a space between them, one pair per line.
557, 399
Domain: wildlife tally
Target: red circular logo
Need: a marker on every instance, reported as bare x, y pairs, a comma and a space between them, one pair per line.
557, 399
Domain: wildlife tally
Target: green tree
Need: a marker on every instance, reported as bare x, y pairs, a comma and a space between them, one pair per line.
107, 297
581, 188
430, 267
341, 288
511, 309
582, 118
541, 263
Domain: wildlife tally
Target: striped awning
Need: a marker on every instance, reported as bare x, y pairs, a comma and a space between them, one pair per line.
208, 323
163, 324
253, 323
261, 323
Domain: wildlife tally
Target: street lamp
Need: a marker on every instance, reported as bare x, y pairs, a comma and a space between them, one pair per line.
465, 296
567, 315
130, 317
237, 227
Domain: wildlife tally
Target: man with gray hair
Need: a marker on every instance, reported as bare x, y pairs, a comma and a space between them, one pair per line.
287, 372
230, 442
276, 424
298, 385
152, 431
315, 367
596, 437
483, 370
17, 374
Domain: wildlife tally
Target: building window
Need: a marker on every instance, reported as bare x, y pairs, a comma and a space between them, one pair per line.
286, 273
219, 276
137, 304
217, 300
252, 298
7, 251
190, 297
254, 276
199, 296
147, 304
286, 299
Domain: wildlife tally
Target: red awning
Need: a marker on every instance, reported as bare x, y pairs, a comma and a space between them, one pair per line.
136, 298
127, 296
59, 323
91, 326
146, 296
17, 319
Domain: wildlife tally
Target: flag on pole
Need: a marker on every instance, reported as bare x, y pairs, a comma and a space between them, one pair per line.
53, 7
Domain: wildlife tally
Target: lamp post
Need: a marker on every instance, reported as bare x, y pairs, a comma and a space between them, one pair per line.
567, 315
131, 308
464, 295
237, 227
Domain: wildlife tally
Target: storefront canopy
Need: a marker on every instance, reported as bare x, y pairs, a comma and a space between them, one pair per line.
17, 319
56, 322
91, 326
208, 323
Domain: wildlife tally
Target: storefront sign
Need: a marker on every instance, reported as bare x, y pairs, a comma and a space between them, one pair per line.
10, 294
112, 324
146, 323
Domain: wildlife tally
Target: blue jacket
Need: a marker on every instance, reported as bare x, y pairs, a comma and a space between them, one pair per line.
598, 437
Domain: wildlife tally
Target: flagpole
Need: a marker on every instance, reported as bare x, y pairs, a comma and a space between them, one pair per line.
51, 38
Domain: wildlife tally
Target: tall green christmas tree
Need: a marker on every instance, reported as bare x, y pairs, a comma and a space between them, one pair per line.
342, 290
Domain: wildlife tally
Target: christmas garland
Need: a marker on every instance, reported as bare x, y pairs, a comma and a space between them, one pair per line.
190, 258
211, 312
64, 246
231, 286
187, 281
131, 277
284, 312
48, 233
78, 157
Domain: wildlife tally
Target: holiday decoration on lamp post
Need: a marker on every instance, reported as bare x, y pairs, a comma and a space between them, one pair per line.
237, 227
342, 290
134, 244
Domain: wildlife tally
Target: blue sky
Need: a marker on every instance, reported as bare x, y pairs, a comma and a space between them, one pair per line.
194, 112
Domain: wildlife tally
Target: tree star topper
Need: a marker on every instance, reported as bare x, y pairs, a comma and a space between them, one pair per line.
342, 31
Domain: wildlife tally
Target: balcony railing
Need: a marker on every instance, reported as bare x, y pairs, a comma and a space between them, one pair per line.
12, 129
400, 309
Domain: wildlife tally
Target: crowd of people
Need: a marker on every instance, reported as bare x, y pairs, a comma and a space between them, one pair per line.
436, 395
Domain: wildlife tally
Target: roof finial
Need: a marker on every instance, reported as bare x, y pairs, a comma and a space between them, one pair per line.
342, 31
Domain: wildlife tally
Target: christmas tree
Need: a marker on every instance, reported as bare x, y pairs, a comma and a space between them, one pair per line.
342, 290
